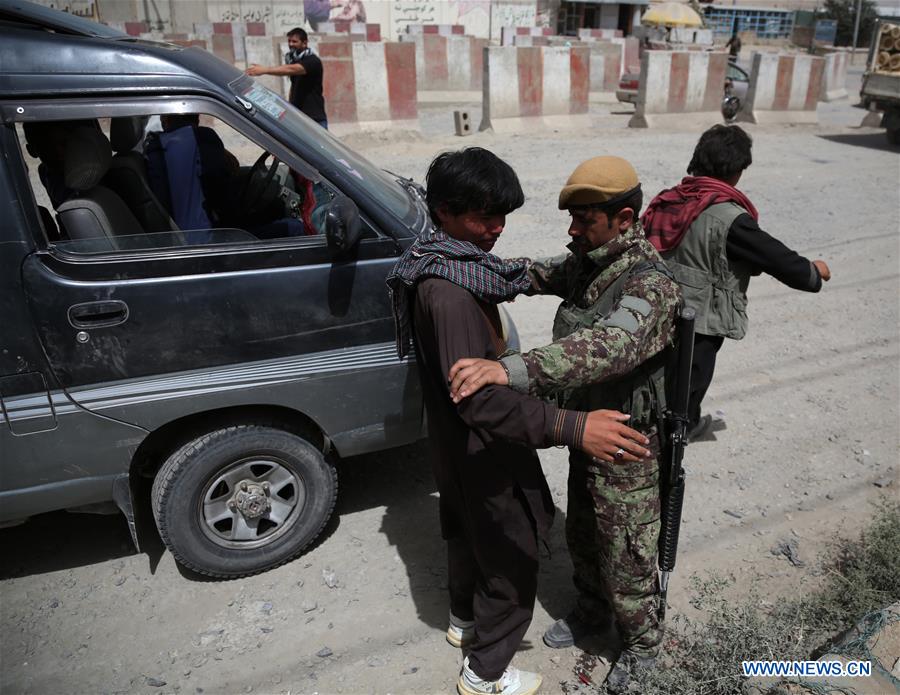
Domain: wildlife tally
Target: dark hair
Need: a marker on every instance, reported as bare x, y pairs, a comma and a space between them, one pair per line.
297, 31
472, 180
722, 152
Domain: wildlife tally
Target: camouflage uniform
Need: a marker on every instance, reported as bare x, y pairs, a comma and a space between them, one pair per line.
609, 333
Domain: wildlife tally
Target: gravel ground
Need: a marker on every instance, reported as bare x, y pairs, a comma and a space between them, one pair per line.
809, 402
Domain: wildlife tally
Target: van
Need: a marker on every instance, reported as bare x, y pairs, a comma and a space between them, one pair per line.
210, 374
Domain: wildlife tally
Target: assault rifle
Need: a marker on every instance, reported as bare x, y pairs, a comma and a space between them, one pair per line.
672, 483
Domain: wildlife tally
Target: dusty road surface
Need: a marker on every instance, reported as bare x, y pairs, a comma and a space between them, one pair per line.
810, 401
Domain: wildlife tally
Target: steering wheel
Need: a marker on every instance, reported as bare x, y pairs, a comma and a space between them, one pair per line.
258, 191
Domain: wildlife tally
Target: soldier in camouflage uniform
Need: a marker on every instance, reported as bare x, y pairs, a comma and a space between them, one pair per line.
609, 334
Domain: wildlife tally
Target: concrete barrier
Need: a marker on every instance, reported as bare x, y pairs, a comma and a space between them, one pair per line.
440, 29
136, 28
606, 65
631, 53
685, 35
834, 78
368, 32
265, 50
678, 82
507, 33
190, 43
369, 85
237, 31
783, 89
528, 87
447, 62
586, 34
222, 46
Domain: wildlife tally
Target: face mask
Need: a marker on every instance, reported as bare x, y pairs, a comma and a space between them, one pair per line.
295, 55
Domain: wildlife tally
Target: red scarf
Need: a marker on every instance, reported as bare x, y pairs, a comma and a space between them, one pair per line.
673, 211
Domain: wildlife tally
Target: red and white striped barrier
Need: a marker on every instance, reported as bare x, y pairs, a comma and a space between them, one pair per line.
543, 85
586, 34
606, 65
678, 82
366, 32
834, 79
369, 85
507, 33
783, 89
631, 53
448, 63
439, 29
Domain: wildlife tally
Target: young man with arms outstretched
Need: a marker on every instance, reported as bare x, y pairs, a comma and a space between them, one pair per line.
708, 233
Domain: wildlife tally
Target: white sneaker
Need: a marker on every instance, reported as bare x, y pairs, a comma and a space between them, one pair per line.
512, 682
461, 633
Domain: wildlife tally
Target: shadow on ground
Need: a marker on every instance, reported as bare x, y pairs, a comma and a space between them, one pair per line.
875, 141
61, 540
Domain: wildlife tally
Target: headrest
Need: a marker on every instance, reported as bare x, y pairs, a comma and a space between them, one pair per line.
125, 132
87, 159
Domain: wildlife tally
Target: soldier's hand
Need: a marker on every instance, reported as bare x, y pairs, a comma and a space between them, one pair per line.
608, 439
472, 373
824, 270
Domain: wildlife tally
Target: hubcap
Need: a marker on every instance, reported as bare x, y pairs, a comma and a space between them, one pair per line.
251, 503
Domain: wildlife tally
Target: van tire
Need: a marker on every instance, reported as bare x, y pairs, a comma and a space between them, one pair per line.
204, 479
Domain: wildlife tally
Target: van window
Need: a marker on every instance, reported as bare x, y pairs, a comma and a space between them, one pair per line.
146, 182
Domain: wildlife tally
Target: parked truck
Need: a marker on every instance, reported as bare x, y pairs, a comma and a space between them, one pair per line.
881, 81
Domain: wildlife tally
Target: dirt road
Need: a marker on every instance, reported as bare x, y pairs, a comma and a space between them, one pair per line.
810, 400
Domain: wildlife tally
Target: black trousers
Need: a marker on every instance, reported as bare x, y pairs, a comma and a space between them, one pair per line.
702, 367
492, 565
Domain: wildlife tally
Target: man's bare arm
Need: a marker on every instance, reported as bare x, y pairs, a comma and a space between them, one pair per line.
278, 70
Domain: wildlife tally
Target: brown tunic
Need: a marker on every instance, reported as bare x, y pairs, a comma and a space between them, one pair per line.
496, 426
494, 500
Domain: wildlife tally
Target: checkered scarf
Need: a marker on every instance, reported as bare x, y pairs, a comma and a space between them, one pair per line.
436, 255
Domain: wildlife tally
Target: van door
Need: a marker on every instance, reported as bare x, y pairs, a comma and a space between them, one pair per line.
158, 327
53, 454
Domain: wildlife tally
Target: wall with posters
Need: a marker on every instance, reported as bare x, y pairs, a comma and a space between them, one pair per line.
482, 18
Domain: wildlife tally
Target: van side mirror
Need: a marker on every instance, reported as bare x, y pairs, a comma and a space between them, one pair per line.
342, 225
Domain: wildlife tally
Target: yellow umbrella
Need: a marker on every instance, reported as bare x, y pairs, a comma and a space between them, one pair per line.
672, 14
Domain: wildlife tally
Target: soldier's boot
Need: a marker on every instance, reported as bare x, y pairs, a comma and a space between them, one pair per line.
626, 667
565, 632
700, 428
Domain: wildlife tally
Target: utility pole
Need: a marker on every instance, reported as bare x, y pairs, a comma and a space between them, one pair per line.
856, 29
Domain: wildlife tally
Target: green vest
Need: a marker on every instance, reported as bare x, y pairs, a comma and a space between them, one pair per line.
641, 392
714, 286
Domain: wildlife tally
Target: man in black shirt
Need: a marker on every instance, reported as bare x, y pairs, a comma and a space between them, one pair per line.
305, 70
708, 233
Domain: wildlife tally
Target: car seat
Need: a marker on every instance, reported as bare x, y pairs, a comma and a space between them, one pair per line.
127, 175
92, 211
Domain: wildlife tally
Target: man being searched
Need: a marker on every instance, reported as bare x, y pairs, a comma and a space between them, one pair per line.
495, 505
610, 337
305, 70
708, 233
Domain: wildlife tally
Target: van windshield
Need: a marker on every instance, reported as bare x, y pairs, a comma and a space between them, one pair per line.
384, 186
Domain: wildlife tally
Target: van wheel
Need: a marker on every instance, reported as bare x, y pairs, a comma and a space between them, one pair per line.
242, 500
